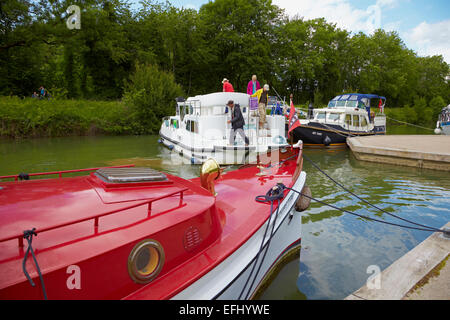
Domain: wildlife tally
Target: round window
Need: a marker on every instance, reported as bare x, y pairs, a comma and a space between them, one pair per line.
145, 261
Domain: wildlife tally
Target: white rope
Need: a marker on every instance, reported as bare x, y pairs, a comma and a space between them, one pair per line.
414, 125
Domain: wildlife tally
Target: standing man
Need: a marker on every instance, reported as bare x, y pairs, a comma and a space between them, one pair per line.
227, 87
253, 85
263, 98
237, 123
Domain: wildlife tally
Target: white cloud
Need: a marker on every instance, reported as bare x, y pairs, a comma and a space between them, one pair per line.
341, 12
430, 39
426, 38
191, 6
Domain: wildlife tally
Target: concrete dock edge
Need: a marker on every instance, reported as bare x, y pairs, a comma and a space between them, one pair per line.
422, 151
405, 275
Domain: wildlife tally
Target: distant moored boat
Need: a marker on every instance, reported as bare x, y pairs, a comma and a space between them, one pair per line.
346, 115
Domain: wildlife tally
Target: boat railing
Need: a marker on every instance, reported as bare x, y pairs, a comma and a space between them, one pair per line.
96, 218
60, 173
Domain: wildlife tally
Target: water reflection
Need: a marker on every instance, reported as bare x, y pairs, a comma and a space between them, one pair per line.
337, 248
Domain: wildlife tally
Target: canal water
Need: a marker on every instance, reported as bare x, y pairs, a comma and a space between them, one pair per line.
339, 251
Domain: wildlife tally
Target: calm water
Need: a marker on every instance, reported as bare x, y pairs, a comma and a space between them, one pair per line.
337, 248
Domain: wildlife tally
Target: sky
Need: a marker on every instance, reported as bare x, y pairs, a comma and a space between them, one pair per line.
423, 25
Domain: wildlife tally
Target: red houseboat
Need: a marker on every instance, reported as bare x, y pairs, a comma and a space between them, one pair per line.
136, 233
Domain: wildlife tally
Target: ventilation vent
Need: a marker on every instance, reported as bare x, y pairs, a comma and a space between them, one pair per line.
192, 238
127, 175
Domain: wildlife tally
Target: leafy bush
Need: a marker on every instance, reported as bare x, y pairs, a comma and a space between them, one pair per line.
151, 94
49, 118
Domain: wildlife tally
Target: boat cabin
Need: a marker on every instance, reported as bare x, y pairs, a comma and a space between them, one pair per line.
200, 129
350, 111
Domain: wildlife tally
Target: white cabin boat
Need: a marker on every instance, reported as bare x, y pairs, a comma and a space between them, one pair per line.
345, 116
199, 130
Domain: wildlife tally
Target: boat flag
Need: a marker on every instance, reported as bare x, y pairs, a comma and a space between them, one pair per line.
380, 106
294, 122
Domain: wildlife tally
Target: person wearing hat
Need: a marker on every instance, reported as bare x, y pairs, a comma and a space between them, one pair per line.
237, 122
227, 87
263, 98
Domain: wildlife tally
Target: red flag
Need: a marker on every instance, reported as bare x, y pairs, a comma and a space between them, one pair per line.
294, 122
380, 106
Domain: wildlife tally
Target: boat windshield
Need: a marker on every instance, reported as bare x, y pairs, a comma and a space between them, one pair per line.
320, 115
348, 101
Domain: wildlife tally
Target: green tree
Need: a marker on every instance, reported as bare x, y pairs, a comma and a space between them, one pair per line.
151, 95
240, 34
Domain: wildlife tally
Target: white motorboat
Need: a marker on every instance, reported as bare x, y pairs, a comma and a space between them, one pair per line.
199, 130
345, 116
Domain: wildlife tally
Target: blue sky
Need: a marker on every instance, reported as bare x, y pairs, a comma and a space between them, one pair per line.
423, 25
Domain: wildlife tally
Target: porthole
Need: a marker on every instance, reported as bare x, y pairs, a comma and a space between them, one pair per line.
145, 261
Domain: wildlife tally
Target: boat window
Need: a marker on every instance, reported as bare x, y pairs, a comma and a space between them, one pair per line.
332, 104
340, 103
361, 105
355, 120
352, 104
182, 112
333, 116
320, 115
348, 120
363, 121
194, 126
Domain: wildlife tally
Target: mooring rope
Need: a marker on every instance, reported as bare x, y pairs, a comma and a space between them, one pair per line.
410, 124
274, 194
28, 235
365, 201
429, 229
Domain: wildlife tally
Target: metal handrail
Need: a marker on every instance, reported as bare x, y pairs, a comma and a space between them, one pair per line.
19, 237
16, 176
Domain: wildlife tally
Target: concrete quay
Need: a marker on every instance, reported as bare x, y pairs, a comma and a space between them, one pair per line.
422, 151
421, 274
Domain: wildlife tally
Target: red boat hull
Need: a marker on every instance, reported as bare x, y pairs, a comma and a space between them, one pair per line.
82, 226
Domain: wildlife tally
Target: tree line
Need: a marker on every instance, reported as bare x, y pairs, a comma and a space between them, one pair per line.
312, 59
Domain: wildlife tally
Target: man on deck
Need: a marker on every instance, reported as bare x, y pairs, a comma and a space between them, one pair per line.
237, 123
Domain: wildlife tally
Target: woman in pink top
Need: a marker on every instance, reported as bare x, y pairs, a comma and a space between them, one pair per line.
253, 86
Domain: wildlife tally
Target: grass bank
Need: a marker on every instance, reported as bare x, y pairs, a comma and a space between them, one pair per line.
20, 118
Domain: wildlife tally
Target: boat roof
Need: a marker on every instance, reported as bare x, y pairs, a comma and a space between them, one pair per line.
218, 99
357, 97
